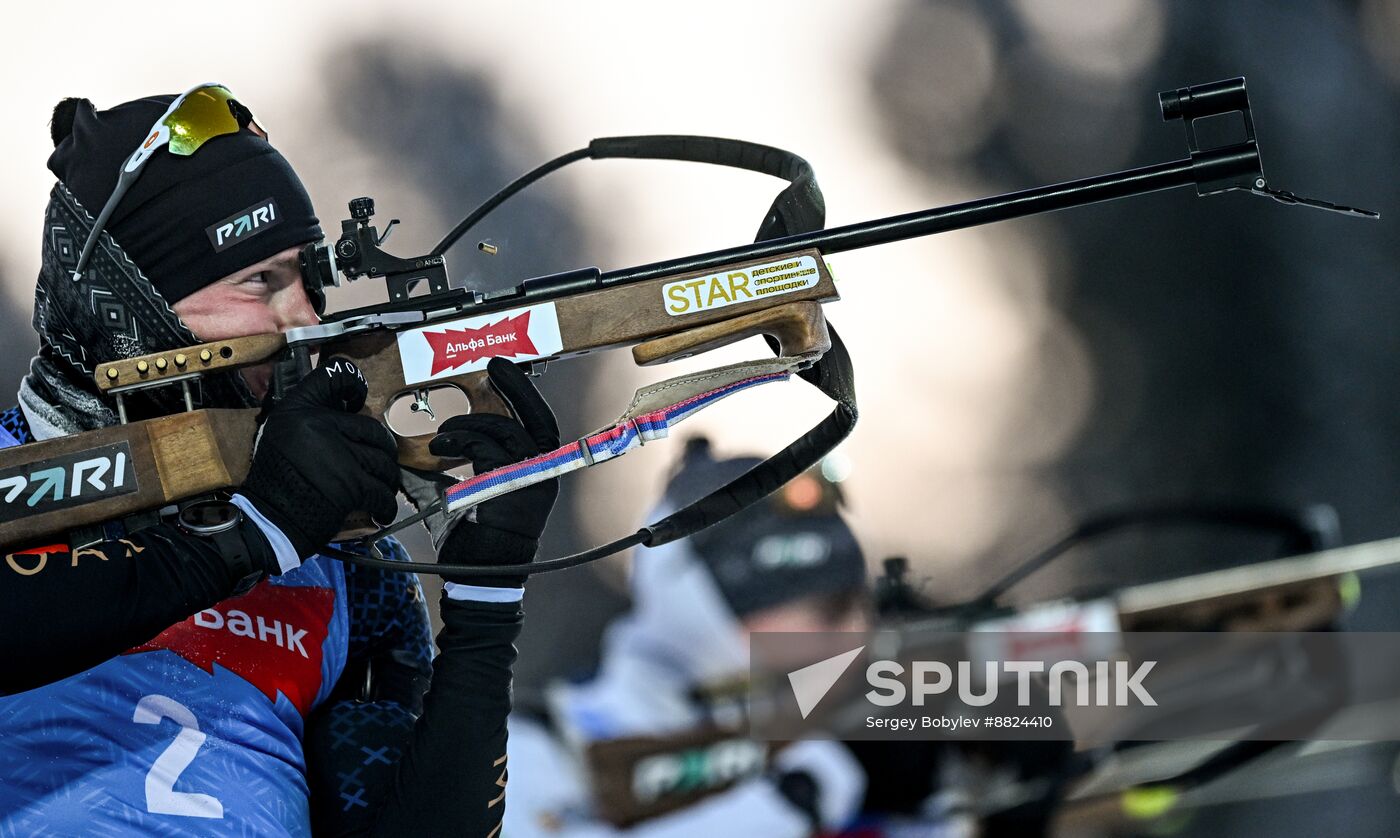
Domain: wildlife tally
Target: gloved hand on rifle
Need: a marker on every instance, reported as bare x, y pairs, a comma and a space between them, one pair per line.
317, 461
504, 530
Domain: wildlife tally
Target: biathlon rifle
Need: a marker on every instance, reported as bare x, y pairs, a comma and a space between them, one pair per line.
1307, 590
430, 335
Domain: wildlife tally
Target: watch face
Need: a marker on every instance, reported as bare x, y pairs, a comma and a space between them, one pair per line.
209, 516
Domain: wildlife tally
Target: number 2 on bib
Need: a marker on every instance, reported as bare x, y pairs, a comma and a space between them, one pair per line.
161, 797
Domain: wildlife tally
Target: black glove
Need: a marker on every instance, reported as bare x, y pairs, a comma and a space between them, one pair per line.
507, 529
317, 460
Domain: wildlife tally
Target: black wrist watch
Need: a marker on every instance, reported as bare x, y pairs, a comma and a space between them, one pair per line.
207, 518
221, 524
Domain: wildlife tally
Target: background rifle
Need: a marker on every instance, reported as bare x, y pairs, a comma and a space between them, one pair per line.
1307, 590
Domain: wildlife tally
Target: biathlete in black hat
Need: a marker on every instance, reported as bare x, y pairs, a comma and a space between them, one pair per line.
163, 680
591, 759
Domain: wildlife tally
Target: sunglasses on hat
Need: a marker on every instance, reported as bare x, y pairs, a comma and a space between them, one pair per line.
194, 118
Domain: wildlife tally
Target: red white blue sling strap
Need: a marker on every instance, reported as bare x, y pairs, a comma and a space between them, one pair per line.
653, 412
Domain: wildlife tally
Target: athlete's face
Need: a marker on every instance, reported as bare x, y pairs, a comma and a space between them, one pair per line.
804, 615
807, 615
264, 298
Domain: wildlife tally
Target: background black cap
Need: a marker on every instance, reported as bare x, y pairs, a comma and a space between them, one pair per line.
770, 553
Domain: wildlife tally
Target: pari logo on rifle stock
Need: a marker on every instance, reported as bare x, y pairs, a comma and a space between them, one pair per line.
466, 345
741, 285
66, 481
699, 769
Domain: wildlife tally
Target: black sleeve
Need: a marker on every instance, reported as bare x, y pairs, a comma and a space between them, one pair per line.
444, 774
367, 720
391, 634
97, 601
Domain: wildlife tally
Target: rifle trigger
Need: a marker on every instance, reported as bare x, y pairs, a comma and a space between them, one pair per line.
421, 403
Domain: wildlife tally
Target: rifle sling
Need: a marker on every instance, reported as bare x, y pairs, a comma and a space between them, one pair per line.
833, 376
653, 412
678, 398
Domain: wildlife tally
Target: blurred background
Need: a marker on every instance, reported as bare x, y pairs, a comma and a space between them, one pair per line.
1013, 379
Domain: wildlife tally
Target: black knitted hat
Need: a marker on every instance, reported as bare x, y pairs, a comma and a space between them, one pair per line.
169, 222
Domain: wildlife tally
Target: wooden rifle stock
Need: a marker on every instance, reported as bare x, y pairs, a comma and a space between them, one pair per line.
160, 461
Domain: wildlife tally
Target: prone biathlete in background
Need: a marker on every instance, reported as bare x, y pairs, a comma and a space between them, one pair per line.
653, 745
669, 672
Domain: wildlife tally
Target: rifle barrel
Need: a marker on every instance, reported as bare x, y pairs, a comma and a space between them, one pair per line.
1217, 170
1199, 168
